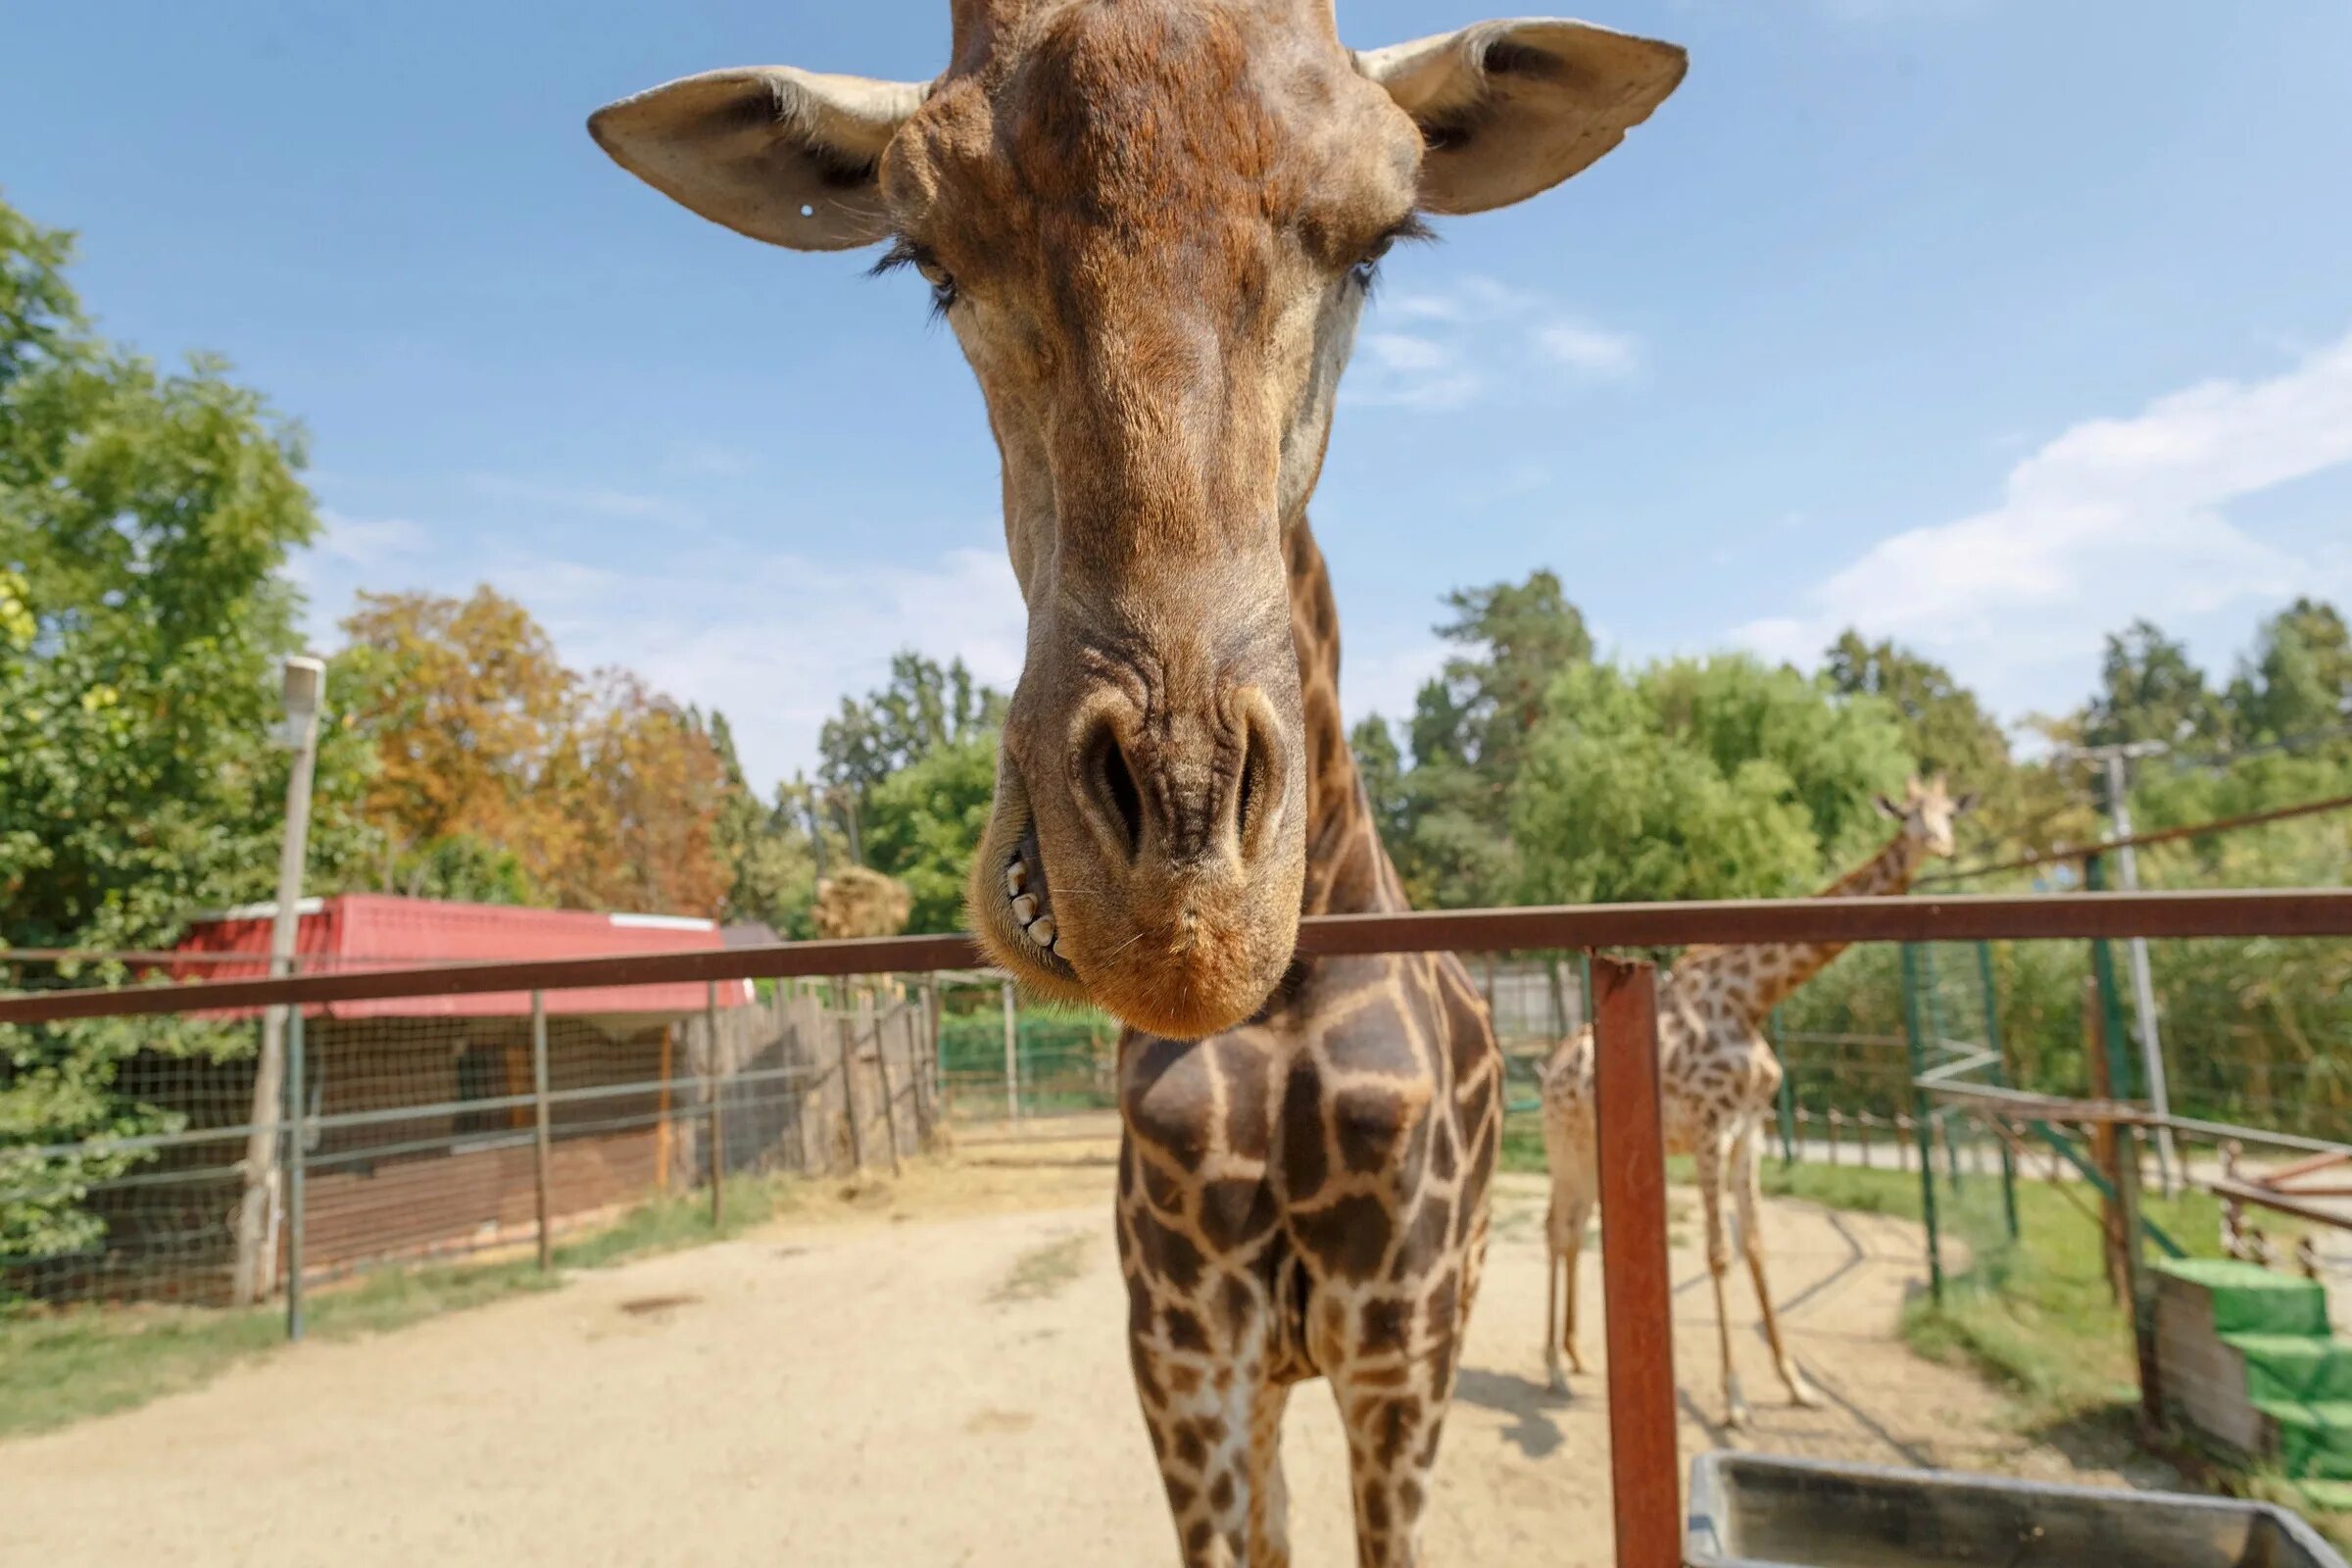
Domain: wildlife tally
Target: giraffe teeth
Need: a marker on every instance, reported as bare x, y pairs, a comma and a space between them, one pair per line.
1042, 931
1024, 909
1016, 876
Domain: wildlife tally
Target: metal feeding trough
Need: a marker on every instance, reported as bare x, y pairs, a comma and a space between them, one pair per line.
1751, 1511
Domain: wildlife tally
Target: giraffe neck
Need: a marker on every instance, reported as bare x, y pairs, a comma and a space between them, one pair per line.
1347, 872
1777, 969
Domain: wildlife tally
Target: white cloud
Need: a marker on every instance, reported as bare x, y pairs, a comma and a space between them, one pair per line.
1402, 370
1386, 680
1603, 355
1475, 335
2115, 517
628, 505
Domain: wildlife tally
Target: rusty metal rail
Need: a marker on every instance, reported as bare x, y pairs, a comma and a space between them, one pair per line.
2276, 912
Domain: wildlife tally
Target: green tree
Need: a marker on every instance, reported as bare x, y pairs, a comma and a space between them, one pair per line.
145, 518
924, 824
1381, 765
924, 705
2297, 684
1448, 819
1696, 779
2150, 690
1945, 728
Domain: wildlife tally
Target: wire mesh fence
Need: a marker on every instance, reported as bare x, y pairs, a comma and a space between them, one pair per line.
454, 1126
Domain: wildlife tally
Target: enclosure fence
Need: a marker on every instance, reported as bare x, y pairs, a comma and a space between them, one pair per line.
748, 1100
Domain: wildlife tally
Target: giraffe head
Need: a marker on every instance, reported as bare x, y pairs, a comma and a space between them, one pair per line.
1929, 813
1151, 225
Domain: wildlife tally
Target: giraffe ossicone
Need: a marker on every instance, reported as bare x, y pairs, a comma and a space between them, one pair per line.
1152, 225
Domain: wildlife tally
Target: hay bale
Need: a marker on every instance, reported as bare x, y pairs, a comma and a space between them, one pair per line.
861, 903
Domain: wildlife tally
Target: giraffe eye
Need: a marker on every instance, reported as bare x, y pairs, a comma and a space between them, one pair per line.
942, 284
1367, 268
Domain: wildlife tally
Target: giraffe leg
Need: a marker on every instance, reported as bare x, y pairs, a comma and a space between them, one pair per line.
1751, 1242
1571, 1215
1393, 1418
1711, 1163
1268, 1543
1207, 1442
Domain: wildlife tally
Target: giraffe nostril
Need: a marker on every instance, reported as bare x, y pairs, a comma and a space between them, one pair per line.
1112, 781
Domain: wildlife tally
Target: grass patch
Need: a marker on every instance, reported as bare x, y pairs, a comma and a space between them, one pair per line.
62, 1367
2034, 1314
1041, 1271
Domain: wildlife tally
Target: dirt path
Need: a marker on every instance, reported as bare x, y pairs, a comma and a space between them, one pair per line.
906, 1388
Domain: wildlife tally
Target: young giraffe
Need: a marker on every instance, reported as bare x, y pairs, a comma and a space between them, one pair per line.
1152, 225
1720, 1080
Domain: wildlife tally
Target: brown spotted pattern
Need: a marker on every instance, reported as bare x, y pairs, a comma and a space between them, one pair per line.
1307, 1196
1719, 1081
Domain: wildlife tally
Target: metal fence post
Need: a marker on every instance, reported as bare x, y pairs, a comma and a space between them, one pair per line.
2000, 1080
2111, 1001
1013, 1057
1644, 1460
540, 1118
1922, 1116
719, 1116
296, 1163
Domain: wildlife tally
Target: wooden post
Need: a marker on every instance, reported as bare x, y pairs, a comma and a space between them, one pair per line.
539, 1145
1013, 1057
933, 1064
718, 1118
848, 1097
2138, 1297
890, 1112
1644, 1460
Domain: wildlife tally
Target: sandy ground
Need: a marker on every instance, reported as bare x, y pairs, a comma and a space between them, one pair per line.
935, 1377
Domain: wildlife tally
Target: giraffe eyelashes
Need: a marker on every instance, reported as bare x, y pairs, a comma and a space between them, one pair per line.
906, 253
1367, 271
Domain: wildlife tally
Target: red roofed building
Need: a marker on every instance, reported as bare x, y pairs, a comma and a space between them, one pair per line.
424, 1129
381, 931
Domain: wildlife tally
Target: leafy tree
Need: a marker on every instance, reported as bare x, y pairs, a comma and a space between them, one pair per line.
1945, 730
643, 787
2297, 685
2150, 690
924, 705
924, 824
469, 711
1695, 779
1381, 765
144, 519
1446, 821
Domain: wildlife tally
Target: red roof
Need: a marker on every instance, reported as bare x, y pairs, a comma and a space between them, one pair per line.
359, 931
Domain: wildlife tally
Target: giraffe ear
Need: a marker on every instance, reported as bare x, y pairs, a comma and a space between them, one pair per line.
787, 156
1511, 109
1965, 804
1886, 807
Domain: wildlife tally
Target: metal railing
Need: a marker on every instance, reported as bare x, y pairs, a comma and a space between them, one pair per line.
1643, 1447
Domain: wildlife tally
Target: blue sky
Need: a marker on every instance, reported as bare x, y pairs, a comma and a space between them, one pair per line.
1983, 324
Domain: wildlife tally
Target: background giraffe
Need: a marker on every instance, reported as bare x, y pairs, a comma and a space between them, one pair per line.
1720, 1079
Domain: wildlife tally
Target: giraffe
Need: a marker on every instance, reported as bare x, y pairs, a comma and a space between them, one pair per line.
1720, 1081
1152, 225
